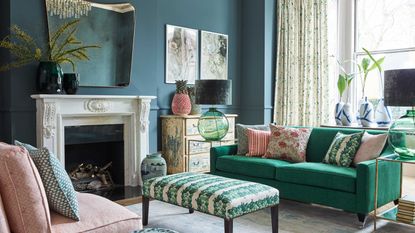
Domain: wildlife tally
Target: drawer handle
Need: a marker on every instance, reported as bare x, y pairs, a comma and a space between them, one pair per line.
194, 163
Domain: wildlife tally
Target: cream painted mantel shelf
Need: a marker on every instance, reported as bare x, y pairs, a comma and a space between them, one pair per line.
55, 112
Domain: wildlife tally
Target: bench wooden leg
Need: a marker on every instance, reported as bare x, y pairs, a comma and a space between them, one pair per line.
191, 211
146, 203
274, 218
228, 225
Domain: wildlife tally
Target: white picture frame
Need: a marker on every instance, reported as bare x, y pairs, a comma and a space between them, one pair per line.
214, 55
182, 54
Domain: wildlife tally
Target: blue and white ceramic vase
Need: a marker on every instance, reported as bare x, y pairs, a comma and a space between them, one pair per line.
382, 116
347, 115
366, 113
153, 166
338, 113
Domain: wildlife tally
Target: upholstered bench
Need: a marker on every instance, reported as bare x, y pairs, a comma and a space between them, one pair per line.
219, 196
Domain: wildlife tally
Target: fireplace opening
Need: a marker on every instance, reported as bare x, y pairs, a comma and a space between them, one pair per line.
94, 159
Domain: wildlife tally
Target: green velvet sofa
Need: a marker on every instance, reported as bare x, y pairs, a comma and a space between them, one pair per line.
350, 189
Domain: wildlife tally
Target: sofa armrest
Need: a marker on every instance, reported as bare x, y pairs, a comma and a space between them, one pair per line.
388, 184
216, 152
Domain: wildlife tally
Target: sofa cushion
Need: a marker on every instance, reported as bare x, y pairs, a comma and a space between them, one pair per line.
249, 166
370, 148
257, 142
319, 175
288, 143
97, 215
241, 133
343, 149
4, 225
58, 186
22, 191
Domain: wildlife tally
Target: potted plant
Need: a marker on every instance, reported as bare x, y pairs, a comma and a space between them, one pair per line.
382, 113
63, 47
343, 113
366, 111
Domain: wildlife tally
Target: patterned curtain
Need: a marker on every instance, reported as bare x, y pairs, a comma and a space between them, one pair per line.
302, 85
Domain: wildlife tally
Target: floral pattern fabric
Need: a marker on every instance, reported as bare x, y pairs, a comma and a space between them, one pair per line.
343, 149
302, 80
215, 195
288, 144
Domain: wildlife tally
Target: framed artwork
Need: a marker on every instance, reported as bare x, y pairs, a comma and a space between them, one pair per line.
182, 54
214, 56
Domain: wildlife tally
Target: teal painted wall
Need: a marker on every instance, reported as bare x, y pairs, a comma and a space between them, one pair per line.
258, 62
17, 109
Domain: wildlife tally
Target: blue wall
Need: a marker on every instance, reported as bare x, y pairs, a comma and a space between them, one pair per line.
249, 24
17, 109
258, 63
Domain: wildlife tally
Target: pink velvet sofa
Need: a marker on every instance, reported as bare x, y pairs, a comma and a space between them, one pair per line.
24, 207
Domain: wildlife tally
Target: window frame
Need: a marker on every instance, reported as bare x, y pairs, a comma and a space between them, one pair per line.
348, 44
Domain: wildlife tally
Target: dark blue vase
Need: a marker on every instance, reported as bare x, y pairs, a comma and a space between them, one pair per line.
49, 78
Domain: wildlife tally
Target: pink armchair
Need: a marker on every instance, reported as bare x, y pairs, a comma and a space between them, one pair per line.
24, 207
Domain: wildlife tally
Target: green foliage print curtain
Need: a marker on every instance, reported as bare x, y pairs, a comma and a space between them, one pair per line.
301, 92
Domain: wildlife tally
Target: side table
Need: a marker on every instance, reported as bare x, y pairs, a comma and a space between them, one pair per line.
390, 213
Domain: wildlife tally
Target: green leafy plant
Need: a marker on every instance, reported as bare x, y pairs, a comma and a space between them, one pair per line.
63, 47
366, 66
21, 46
344, 80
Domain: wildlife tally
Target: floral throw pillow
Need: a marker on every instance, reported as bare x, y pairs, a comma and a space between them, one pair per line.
343, 149
257, 142
288, 144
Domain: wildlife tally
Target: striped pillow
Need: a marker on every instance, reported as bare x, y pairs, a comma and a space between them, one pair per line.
257, 142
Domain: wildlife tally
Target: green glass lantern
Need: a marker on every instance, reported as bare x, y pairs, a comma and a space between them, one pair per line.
213, 124
399, 90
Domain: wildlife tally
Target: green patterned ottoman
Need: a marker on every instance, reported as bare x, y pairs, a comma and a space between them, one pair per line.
219, 196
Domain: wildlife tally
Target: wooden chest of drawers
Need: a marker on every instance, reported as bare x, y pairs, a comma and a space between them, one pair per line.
182, 146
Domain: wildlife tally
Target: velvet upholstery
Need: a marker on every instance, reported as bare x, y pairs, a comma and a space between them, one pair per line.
97, 215
350, 189
251, 166
22, 191
319, 175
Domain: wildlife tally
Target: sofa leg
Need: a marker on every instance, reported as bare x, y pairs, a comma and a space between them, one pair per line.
362, 218
146, 203
228, 225
274, 218
191, 211
396, 202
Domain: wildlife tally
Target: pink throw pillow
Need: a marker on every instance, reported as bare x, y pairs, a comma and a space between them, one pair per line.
288, 144
22, 191
370, 148
257, 142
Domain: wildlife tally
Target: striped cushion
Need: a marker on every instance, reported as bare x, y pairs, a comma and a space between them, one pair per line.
257, 142
215, 195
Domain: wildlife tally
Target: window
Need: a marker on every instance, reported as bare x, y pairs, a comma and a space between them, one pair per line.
384, 27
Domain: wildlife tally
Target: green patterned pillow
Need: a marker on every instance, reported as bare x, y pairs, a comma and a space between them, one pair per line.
343, 149
58, 186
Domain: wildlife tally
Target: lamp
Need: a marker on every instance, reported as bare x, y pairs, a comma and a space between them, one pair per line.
68, 8
399, 90
213, 124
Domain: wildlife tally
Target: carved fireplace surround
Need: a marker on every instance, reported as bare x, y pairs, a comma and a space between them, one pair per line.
54, 112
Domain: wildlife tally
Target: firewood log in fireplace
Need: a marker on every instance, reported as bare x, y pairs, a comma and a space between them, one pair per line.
91, 177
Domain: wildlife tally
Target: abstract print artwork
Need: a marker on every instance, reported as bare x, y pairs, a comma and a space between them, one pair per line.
181, 54
214, 56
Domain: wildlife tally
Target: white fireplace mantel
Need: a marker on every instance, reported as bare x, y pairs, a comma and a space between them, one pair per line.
55, 112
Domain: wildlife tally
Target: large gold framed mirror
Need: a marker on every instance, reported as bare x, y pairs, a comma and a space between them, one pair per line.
110, 26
